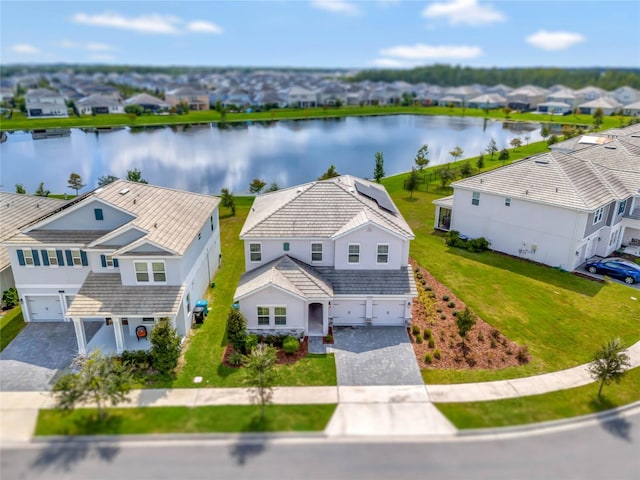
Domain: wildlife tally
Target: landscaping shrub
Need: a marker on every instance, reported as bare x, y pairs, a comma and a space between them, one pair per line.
329, 338
237, 330
428, 358
165, 347
437, 354
138, 360
428, 288
475, 245
423, 282
432, 342
445, 298
415, 329
10, 297
250, 342
418, 338
236, 359
523, 355
443, 317
478, 245
290, 345
427, 333
451, 305
438, 310
419, 275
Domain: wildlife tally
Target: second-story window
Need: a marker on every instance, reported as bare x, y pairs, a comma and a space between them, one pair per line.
622, 207
142, 271
354, 253
316, 252
28, 258
383, 253
507, 202
76, 259
52, 257
159, 274
598, 215
475, 198
98, 213
109, 261
255, 252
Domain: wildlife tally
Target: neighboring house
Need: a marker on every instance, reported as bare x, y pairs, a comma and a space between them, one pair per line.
591, 93
555, 208
526, 98
608, 105
43, 102
195, 98
554, 108
6, 95
17, 210
450, 101
147, 102
124, 255
488, 101
332, 95
566, 95
99, 104
464, 94
332, 252
626, 95
301, 97
632, 109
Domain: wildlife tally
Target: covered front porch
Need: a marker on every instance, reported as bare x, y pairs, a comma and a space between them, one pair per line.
444, 210
128, 313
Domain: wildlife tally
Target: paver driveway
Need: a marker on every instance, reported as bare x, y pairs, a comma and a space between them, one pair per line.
375, 356
32, 359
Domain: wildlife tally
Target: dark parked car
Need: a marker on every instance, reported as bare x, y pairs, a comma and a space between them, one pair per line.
616, 267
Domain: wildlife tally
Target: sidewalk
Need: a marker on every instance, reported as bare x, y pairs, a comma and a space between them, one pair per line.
362, 410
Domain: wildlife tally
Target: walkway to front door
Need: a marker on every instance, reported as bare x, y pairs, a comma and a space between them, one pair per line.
375, 356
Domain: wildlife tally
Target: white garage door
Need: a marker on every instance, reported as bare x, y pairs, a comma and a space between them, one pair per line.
388, 312
347, 312
45, 309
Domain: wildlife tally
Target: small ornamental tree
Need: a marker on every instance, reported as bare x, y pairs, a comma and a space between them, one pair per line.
256, 185
100, 379
422, 157
237, 330
465, 320
10, 297
504, 155
609, 364
492, 148
515, 143
446, 175
378, 171
20, 188
135, 175
411, 183
466, 169
75, 182
227, 200
106, 180
330, 173
456, 153
41, 191
545, 131
165, 347
261, 375
480, 162
273, 187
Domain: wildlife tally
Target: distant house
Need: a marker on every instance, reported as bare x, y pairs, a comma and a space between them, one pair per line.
590, 93
99, 104
332, 95
554, 108
301, 97
450, 101
17, 210
6, 95
42, 102
488, 101
554, 208
147, 102
632, 109
566, 96
464, 94
526, 98
332, 252
626, 95
195, 98
608, 105
124, 255
500, 89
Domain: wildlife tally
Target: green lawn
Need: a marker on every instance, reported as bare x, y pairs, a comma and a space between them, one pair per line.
227, 419
11, 324
207, 343
561, 317
540, 408
20, 122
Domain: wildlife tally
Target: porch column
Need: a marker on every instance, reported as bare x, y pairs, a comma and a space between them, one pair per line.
325, 318
81, 337
117, 330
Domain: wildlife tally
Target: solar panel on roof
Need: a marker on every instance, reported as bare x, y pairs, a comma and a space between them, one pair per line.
379, 196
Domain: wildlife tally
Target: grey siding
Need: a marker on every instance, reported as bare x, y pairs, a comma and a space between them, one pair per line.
591, 228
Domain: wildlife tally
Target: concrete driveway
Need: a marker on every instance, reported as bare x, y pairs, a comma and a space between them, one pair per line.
32, 359
375, 356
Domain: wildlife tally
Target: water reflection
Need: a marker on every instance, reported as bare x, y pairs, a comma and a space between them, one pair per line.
205, 158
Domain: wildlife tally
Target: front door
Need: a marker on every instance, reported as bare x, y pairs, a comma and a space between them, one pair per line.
316, 320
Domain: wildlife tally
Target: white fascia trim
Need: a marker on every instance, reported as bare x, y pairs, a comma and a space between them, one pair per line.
368, 223
143, 241
262, 287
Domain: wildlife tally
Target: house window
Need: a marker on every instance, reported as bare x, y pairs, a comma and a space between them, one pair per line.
148, 320
263, 315
383, 253
98, 213
188, 302
285, 246
598, 215
622, 207
212, 224
159, 274
28, 258
316, 252
475, 198
108, 259
52, 257
354, 253
507, 202
76, 259
142, 271
280, 315
255, 252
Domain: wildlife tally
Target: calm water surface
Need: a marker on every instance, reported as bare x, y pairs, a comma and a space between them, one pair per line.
206, 158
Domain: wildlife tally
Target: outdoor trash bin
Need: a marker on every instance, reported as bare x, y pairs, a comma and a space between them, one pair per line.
199, 314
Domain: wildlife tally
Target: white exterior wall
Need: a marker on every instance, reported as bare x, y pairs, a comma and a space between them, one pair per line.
369, 236
299, 249
84, 218
556, 233
274, 297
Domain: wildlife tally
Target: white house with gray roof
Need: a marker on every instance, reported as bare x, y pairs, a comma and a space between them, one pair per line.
555, 208
42, 102
332, 252
125, 255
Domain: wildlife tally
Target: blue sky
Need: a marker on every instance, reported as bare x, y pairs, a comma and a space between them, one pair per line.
323, 33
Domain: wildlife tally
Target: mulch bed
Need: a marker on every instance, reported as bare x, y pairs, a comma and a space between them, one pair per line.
282, 358
485, 346
325, 341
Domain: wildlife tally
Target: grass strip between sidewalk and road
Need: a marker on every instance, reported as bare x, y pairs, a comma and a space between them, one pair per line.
210, 419
540, 408
11, 324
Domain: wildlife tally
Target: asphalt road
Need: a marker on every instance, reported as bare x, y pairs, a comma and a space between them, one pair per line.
596, 449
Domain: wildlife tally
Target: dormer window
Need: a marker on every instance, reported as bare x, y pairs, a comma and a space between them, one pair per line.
354, 253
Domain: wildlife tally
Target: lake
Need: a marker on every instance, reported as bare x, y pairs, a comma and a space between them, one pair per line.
207, 158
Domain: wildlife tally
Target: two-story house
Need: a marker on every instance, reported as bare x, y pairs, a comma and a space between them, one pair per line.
555, 208
42, 102
332, 252
195, 98
125, 255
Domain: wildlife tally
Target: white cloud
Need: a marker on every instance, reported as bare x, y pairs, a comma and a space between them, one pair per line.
149, 23
554, 40
24, 49
423, 52
336, 6
389, 63
465, 12
202, 26
92, 46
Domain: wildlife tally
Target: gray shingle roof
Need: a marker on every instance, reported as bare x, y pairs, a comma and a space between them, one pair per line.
103, 295
317, 210
370, 282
